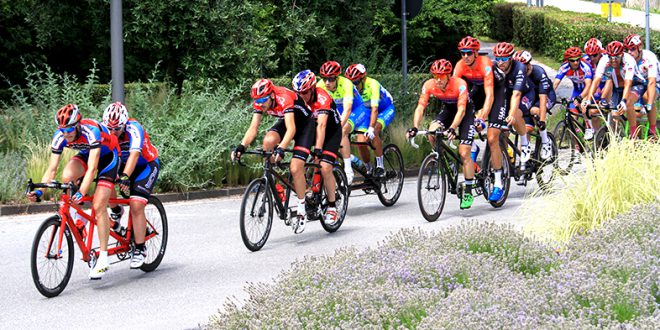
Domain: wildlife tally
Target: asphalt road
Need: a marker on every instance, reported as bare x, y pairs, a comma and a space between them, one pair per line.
205, 262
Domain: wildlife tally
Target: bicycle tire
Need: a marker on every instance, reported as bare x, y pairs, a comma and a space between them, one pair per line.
430, 178
544, 173
161, 236
566, 143
490, 178
262, 197
39, 280
394, 175
342, 193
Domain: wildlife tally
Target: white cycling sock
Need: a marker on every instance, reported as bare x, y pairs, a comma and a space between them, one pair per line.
379, 161
498, 178
301, 206
590, 123
103, 257
544, 136
347, 165
523, 140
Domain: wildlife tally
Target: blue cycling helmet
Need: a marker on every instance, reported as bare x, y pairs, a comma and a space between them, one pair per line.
304, 81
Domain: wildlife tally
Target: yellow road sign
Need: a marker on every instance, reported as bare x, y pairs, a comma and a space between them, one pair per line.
605, 10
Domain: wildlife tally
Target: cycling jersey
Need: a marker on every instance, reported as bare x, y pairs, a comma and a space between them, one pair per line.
322, 103
627, 70
543, 85
498, 112
346, 92
286, 101
455, 92
374, 94
135, 138
577, 76
479, 73
517, 80
92, 135
648, 65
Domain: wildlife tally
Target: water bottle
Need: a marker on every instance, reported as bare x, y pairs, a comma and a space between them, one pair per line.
475, 153
316, 181
357, 162
280, 192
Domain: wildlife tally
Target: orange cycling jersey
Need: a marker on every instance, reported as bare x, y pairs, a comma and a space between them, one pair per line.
285, 101
454, 92
480, 73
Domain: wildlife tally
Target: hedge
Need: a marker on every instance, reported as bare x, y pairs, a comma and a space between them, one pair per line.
549, 30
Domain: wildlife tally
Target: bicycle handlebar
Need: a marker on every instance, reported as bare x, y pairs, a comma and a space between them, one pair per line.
31, 186
261, 152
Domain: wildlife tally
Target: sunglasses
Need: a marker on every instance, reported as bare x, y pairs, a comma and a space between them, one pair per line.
262, 100
573, 60
330, 79
502, 59
466, 53
356, 81
118, 128
594, 55
618, 57
68, 129
440, 76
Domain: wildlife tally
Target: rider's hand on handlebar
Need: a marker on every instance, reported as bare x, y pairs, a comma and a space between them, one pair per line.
77, 197
622, 107
317, 153
510, 119
237, 152
412, 132
584, 104
34, 196
370, 133
451, 133
479, 124
124, 184
278, 155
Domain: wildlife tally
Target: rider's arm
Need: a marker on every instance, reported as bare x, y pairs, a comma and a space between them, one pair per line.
627, 85
321, 123
347, 99
419, 114
587, 88
515, 102
592, 88
543, 105
290, 123
375, 101
488, 102
462, 104
92, 165
252, 132
422, 102
131, 162
555, 84
651, 89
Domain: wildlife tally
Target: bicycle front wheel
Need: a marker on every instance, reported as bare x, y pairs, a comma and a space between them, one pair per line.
256, 215
489, 177
51, 270
392, 185
156, 238
341, 200
567, 148
431, 188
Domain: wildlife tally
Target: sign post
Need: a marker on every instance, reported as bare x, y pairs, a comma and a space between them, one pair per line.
117, 51
405, 10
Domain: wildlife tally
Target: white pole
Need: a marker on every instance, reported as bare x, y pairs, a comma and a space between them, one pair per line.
648, 37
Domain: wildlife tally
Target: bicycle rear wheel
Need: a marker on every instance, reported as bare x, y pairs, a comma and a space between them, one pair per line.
256, 215
489, 179
392, 185
431, 188
50, 272
567, 148
157, 234
341, 200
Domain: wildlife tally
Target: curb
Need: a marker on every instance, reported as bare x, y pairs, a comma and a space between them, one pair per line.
23, 209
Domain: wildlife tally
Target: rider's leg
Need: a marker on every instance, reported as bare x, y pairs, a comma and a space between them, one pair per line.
495, 154
271, 140
365, 155
346, 149
631, 113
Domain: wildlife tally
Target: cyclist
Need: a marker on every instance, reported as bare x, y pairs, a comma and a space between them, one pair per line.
97, 150
139, 170
649, 89
477, 71
593, 54
620, 67
519, 90
382, 112
328, 133
350, 105
294, 123
456, 114
580, 73
545, 99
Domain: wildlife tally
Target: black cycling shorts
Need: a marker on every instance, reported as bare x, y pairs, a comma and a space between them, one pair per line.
465, 129
107, 168
498, 112
304, 137
143, 180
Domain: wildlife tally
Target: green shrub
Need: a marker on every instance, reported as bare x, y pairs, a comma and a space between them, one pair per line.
12, 169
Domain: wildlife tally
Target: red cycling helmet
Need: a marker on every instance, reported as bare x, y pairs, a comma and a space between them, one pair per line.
503, 49
67, 115
522, 56
263, 87
115, 115
441, 67
614, 48
355, 72
632, 40
593, 47
469, 43
572, 52
330, 69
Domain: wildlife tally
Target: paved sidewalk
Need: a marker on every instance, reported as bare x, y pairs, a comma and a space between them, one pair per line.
629, 16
